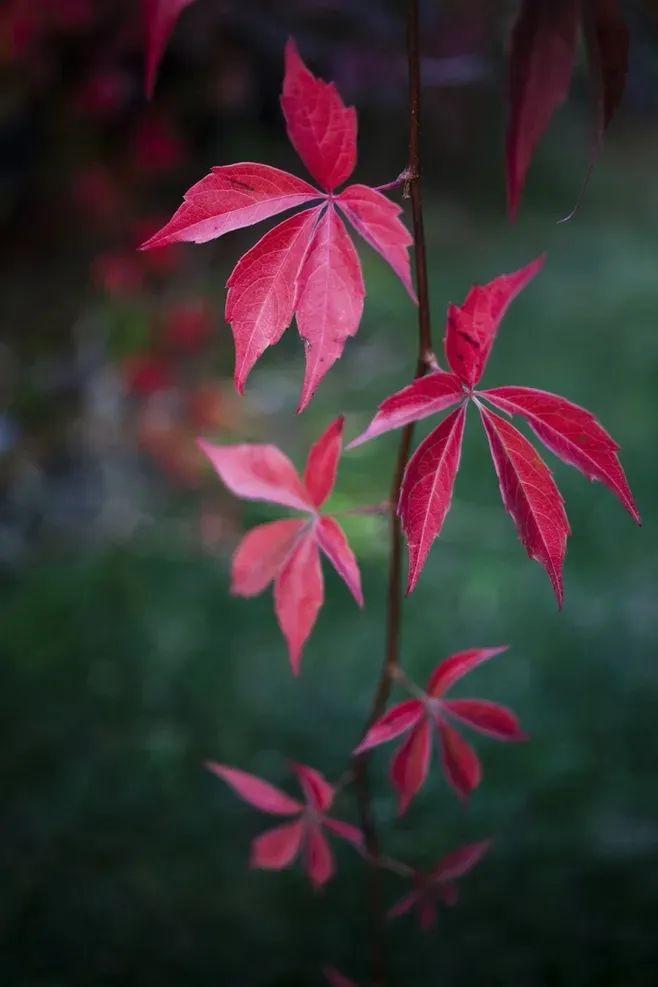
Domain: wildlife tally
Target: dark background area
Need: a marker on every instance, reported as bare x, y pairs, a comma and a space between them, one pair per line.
125, 662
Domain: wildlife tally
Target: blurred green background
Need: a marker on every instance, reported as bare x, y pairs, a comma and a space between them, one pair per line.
125, 662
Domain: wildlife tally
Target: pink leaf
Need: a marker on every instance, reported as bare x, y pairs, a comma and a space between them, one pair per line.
472, 328
541, 63
411, 763
486, 717
426, 396
260, 555
322, 463
460, 762
230, 197
456, 666
330, 299
376, 218
460, 861
404, 905
427, 488
331, 539
161, 17
530, 496
320, 127
258, 793
319, 858
277, 848
351, 834
317, 791
262, 290
258, 472
394, 722
298, 596
572, 433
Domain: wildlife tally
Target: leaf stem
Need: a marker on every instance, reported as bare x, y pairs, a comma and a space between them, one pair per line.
426, 360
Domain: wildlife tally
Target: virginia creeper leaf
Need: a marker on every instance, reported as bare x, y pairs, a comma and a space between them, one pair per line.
260, 555
606, 35
161, 17
334, 544
427, 487
541, 61
411, 763
376, 218
298, 596
255, 791
258, 472
572, 433
320, 127
277, 848
530, 496
322, 462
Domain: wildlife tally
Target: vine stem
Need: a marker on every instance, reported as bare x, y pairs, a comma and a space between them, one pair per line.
426, 360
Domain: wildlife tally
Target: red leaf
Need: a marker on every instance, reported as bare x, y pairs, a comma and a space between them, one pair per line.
320, 127
322, 463
427, 487
541, 63
317, 791
351, 834
572, 433
161, 17
530, 496
460, 861
460, 761
260, 555
277, 848
424, 397
486, 717
404, 905
262, 290
394, 722
456, 666
376, 218
472, 328
411, 763
607, 40
230, 197
256, 792
331, 539
319, 858
298, 596
330, 299
258, 472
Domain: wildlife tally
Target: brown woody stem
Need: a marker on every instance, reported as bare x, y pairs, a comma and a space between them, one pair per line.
425, 360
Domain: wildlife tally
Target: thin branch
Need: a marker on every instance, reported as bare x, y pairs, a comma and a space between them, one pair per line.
426, 361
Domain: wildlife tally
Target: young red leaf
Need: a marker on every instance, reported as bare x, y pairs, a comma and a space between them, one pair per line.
320, 127
572, 433
460, 762
456, 666
351, 834
530, 496
255, 791
161, 17
319, 858
258, 472
318, 793
262, 290
411, 763
541, 63
376, 218
485, 717
260, 555
322, 462
331, 539
460, 861
607, 40
298, 596
472, 328
277, 848
330, 299
426, 492
230, 197
424, 397
391, 724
